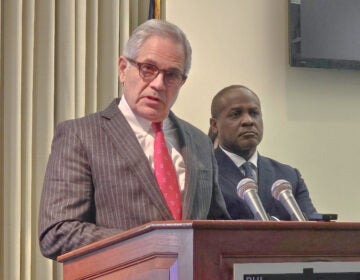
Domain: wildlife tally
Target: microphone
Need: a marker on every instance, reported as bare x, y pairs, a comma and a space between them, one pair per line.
247, 191
281, 190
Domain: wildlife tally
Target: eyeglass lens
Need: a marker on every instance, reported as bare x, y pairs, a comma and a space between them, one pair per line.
149, 72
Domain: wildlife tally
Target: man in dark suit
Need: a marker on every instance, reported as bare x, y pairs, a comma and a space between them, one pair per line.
237, 123
100, 175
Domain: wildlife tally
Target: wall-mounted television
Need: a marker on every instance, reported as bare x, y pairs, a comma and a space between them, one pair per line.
324, 33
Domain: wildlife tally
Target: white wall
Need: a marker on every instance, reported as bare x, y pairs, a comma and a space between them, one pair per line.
311, 116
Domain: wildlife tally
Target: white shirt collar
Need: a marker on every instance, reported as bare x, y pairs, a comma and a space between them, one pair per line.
145, 136
238, 160
138, 123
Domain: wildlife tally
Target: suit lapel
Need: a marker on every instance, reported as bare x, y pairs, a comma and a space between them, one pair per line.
190, 174
126, 144
266, 178
227, 168
194, 169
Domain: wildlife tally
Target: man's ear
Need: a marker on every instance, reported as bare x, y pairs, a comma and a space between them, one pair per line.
213, 125
122, 66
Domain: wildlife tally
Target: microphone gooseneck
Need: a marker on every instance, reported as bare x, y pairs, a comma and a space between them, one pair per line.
247, 191
282, 191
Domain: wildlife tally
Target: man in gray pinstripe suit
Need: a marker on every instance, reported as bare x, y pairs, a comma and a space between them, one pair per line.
99, 179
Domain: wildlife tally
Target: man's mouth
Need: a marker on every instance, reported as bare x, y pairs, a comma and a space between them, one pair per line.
248, 134
153, 98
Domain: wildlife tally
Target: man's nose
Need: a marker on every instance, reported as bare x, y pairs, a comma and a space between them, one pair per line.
247, 119
158, 82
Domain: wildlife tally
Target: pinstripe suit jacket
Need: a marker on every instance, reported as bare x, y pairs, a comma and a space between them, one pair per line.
99, 182
269, 171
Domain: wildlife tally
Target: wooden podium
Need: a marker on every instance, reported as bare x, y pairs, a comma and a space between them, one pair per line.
207, 250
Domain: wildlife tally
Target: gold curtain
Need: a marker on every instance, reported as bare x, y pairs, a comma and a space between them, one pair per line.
58, 61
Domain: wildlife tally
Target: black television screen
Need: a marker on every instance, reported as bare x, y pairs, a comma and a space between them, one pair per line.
324, 33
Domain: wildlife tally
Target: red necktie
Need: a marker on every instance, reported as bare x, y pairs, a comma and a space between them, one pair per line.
165, 173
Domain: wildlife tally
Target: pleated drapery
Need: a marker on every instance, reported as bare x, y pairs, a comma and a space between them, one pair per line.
58, 61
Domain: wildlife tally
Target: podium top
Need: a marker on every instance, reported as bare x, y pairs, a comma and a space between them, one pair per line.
211, 225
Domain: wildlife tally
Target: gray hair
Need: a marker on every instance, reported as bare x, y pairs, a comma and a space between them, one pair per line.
156, 27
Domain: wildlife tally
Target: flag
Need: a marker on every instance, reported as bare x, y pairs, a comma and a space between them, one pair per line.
154, 9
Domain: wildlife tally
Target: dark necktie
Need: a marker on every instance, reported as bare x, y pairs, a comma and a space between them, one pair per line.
248, 170
165, 172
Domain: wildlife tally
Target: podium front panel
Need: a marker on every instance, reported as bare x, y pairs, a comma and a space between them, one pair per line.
190, 250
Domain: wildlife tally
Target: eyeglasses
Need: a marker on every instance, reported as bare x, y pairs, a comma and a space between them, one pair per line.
149, 72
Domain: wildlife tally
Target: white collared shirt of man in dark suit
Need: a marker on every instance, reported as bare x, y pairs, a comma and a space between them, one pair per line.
239, 161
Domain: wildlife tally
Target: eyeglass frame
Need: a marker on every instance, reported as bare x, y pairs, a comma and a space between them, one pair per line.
140, 64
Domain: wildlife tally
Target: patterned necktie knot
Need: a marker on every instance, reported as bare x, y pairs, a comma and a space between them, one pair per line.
248, 170
156, 126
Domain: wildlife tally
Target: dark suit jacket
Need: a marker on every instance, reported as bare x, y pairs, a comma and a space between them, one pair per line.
269, 171
99, 182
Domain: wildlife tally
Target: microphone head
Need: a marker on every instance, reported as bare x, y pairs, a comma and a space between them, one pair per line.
245, 185
279, 186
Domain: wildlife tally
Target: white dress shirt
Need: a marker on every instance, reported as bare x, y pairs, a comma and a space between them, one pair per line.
145, 135
238, 160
